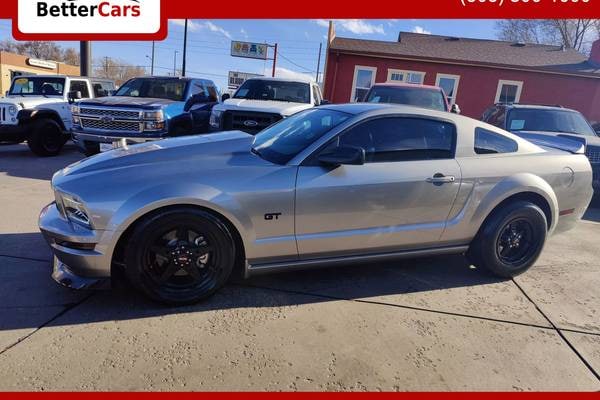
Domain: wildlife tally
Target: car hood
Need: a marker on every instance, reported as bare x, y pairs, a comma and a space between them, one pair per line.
548, 136
203, 152
30, 102
284, 108
127, 101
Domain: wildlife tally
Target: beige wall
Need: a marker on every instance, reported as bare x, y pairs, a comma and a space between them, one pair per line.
13, 62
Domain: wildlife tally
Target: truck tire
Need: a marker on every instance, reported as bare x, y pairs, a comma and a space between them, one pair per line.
511, 240
46, 138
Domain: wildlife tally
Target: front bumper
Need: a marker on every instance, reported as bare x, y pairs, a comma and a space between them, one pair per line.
81, 258
80, 137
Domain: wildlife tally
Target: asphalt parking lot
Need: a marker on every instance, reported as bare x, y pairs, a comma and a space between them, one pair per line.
430, 324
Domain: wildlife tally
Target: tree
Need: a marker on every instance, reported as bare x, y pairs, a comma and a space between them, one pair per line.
117, 69
41, 50
571, 33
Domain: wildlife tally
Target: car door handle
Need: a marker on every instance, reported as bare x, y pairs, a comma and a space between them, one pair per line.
441, 178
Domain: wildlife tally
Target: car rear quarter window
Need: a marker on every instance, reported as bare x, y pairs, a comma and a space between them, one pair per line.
402, 139
488, 142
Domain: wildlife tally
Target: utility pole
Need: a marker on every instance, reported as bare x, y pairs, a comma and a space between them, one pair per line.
184, 47
175, 63
319, 62
85, 58
274, 59
152, 61
106, 67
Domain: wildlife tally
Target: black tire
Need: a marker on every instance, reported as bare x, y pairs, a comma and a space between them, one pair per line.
179, 256
91, 148
511, 240
47, 138
180, 130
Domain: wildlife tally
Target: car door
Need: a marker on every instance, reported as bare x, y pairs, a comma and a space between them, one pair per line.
200, 112
399, 199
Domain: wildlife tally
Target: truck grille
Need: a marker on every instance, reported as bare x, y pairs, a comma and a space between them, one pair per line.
121, 126
121, 114
5, 115
593, 154
250, 122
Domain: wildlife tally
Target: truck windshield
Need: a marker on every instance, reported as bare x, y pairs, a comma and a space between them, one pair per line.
37, 86
549, 121
258, 89
419, 97
281, 142
170, 89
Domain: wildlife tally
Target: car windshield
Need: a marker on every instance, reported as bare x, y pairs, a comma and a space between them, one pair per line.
170, 89
417, 96
281, 142
259, 89
549, 121
37, 86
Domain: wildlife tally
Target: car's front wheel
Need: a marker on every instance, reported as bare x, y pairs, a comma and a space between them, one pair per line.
180, 256
47, 138
511, 240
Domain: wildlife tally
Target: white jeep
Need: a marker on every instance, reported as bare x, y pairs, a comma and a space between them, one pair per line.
37, 109
260, 102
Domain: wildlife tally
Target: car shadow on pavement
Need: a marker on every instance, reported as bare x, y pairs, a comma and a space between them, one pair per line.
27, 285
18, 161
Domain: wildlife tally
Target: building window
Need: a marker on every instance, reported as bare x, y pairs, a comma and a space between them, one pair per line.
396, 75
508, 91
449, 83
364, 78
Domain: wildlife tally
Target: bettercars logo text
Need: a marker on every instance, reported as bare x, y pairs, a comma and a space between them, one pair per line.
89, 16
70, 8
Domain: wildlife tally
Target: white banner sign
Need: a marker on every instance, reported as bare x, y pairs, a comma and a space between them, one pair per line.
249, 50
237, 78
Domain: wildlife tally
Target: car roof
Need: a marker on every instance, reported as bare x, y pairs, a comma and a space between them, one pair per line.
536, 107
407, 85
268, 78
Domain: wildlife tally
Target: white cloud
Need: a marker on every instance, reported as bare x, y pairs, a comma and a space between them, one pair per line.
420, 29
192, 26
244, 33
195, 26
356, 26
215, 28
281, 72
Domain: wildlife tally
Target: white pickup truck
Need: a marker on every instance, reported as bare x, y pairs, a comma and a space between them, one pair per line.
260, 102
37, 109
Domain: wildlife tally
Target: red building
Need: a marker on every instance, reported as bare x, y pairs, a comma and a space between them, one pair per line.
474, 73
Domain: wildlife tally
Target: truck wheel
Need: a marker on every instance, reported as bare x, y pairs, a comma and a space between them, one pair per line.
511, 240
46, 138
179, 256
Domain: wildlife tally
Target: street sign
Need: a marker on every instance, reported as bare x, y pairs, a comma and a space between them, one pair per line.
237, 78
249, 50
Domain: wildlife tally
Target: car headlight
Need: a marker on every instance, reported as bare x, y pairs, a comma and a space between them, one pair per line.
154, 115
154, 125
215, 119
75, 110
12, 110
71, 208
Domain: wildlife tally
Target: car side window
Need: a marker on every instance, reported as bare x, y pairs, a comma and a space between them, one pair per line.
400, 139
102, 89
198, 88
487, 142
82, 87
495, 116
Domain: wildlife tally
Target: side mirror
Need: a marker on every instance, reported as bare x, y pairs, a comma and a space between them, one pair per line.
344, 155
324, 102
225, 96
74, 95
195, 99
455, 109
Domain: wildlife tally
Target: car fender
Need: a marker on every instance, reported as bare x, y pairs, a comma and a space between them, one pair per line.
510, 186
172, 194
30, 115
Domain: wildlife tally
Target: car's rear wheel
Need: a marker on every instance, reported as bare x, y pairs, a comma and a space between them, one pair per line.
511, 240
180, 256
47, 138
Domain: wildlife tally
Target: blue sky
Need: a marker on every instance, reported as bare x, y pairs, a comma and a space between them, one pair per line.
298, 41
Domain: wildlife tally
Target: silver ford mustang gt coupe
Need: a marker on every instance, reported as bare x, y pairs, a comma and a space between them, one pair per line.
332, 185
